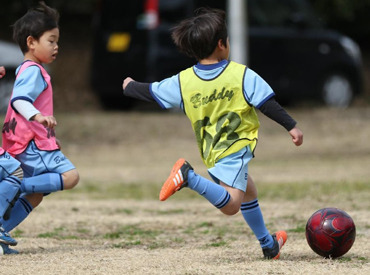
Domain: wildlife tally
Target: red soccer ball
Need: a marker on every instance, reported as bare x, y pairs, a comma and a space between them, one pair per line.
330, 232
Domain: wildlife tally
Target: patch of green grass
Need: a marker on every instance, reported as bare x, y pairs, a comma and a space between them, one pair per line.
320, 190
299, 229
204, 224
131, 231
167, 212
17, 233
83, 230
344, 259
364, 259
218, 243
57, 233
189, 230
124, 190
177, 240
148, 243
115, 190
155, 245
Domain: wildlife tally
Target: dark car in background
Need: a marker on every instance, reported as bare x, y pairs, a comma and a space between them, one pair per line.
287, 46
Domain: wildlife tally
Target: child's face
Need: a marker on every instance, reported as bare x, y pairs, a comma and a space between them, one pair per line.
45, 49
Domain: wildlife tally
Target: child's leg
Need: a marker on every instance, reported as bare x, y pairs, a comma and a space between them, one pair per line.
224, 197
9, 193
44, 183
50, 182
70, 179
253, 215
21, 210
53, 168
216, 194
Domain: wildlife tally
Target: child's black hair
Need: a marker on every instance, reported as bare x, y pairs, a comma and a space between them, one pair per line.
198, 36
34, 23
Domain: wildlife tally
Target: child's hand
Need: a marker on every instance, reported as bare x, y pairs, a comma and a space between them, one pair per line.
297, 136
47, 121
126, 82
2, 71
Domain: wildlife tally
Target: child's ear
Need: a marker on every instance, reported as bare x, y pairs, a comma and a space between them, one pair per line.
221, 44
31, 42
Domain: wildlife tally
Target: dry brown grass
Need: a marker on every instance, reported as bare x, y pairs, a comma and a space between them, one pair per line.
112, 223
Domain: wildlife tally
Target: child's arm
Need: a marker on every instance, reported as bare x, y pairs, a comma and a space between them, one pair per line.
126, 82
29, 112
138, 90
27, 87
272, 109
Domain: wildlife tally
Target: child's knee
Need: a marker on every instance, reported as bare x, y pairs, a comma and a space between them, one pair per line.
230, 209
70, 179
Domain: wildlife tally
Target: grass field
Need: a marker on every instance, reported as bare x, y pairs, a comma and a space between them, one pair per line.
113, 222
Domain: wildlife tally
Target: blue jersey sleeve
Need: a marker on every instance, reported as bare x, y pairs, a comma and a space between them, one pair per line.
29, 84
167, 92
256, 89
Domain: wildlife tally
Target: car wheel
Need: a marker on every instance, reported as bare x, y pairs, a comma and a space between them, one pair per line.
337, 91
6, 88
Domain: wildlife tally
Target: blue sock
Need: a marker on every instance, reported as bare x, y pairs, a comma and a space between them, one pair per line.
20, 211
213, 192
253, 216
44, 183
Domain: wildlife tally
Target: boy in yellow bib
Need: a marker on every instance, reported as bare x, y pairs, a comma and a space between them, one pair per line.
219, 97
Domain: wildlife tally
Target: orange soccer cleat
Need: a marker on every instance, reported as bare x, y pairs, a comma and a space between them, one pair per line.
280, 238
177, 179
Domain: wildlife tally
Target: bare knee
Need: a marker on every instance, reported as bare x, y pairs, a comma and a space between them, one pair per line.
230, 209
70, 179
236, 197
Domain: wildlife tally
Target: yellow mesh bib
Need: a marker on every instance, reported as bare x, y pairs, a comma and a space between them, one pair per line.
222, 120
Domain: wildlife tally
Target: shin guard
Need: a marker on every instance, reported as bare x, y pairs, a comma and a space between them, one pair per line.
44, 183
9, 193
